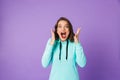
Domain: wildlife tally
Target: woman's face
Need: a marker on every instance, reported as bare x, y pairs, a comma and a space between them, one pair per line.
63, 30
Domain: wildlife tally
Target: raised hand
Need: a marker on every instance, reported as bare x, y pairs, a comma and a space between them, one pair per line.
76, 36
52, 37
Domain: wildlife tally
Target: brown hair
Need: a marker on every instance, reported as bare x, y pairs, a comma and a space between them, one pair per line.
71, 34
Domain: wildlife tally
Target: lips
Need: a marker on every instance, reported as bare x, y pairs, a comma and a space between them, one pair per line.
63, 34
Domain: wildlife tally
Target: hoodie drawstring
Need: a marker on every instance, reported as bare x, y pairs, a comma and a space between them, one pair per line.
66, 50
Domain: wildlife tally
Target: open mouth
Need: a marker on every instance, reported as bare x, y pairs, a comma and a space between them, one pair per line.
63, 34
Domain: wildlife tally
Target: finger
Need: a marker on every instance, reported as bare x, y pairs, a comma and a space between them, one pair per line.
78, 31
52, 32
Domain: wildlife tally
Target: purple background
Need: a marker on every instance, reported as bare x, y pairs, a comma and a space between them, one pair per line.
25, 28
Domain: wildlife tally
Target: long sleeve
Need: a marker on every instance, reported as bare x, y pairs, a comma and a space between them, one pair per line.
47, 55
80, 56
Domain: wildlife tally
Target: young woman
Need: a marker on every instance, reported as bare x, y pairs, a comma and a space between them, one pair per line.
64, 52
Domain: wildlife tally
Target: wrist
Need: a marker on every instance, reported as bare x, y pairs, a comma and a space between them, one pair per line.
76, 41
52, 42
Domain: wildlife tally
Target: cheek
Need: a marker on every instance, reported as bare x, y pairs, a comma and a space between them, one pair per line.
68, 31
58, 32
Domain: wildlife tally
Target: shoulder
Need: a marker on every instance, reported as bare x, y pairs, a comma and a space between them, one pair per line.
71, 43
74, 44
55, 43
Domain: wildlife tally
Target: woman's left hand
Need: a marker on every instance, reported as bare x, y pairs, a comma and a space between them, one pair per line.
76, 36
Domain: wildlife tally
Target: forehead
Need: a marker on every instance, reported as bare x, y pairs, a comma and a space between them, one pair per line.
63, 22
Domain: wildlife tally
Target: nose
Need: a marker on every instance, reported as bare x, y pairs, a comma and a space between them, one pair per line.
63, 28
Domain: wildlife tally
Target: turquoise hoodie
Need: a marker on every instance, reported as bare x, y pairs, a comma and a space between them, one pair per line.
63, 69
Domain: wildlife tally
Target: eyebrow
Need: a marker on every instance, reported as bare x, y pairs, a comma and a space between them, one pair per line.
65, 24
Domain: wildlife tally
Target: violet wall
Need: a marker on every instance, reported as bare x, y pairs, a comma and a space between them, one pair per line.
25, 28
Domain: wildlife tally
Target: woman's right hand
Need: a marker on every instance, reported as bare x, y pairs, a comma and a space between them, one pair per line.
53, 37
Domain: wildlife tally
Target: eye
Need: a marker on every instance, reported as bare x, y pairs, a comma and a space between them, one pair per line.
66, 26
59, 26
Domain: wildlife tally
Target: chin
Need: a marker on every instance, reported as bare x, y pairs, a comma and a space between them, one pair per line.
63, 39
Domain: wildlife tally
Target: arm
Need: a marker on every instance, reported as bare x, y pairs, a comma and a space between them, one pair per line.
46, 58
80, 56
